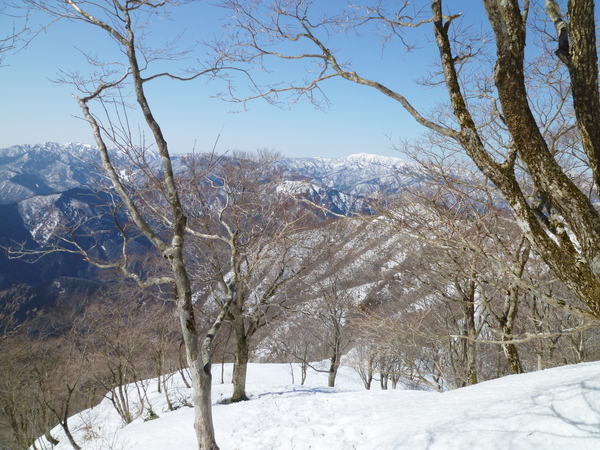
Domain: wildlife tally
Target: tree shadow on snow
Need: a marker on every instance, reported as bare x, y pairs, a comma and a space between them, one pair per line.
299, 392
563, 417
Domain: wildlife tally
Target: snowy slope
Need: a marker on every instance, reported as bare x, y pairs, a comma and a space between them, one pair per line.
356, 175
552, 409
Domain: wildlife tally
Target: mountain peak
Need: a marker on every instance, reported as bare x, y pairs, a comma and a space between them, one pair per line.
374, 159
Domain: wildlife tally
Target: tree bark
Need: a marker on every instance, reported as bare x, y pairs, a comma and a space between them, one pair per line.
507, 322
333, 369
242, 356
513, 359
471, 343
202, 393
335, 360
577, 49
577, 270
470, 331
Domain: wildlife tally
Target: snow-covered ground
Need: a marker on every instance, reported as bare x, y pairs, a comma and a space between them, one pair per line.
552, 409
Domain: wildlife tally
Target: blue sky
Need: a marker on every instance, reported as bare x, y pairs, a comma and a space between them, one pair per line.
34, 109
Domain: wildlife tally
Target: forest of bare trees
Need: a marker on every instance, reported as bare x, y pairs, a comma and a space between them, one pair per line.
442, 320
490, 266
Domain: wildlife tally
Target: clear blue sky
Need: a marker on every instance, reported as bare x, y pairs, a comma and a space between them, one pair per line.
33, 109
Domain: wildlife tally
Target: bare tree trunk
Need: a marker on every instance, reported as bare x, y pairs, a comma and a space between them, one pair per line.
365, 369
383, 380
335, 363
63, 416
303, 369
471, 343
368, 379
511, 308
240, 368
199, 359
512, 356
506, 326
243, 334
50, 438
70, 437
203, 422
166, 392
469, 330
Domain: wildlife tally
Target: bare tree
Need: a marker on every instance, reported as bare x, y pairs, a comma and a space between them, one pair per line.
117, 330
16, 403
162, 334
363, 360
161, 219
329, 316
22, 418
248, 242
54, 372
293, 342
13, 309
58, 376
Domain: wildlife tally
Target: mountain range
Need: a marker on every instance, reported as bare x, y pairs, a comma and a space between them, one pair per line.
47, 185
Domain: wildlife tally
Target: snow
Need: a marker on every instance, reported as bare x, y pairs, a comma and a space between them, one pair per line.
358, 175
369, 158
551, 409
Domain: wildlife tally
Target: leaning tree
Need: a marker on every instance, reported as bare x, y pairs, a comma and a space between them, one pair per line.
554, 209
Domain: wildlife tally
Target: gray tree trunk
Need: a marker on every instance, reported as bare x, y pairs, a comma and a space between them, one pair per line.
469, 330
240, 368
335, 364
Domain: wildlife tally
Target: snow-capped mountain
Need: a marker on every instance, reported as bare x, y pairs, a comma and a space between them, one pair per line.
40, 170
45, 185
356, 175
28, 171
37, 170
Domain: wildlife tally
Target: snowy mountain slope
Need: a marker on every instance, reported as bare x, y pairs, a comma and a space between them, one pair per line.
43, 187
36, 170
551, 409
356, 175
27, 171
